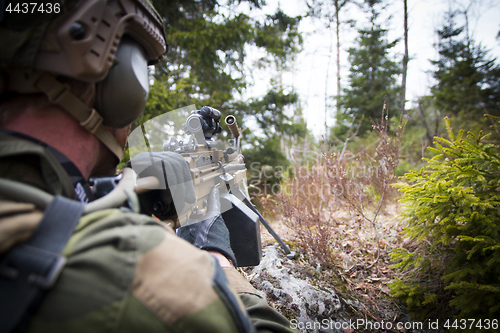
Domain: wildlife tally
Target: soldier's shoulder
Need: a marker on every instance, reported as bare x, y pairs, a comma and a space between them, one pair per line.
124, 268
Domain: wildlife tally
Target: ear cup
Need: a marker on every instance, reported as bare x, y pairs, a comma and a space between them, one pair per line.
121, 96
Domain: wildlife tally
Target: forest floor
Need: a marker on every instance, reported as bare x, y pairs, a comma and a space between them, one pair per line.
350, 296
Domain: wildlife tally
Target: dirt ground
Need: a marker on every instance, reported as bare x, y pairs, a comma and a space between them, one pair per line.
350, 296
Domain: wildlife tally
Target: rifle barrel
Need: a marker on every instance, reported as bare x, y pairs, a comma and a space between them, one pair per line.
233, 126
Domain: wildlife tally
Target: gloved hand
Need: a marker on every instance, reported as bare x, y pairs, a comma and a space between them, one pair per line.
176, 185
209, 232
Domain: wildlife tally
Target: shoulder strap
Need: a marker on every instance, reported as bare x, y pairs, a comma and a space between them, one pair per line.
28, 270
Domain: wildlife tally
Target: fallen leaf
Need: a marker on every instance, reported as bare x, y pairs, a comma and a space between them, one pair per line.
383, 243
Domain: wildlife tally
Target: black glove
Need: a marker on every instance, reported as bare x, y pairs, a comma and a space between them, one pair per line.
210, 233
176, 191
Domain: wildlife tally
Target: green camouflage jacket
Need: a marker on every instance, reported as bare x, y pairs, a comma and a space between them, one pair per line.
125, 272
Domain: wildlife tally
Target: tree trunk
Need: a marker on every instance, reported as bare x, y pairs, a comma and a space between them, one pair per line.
405, 58
337, 22
326, 86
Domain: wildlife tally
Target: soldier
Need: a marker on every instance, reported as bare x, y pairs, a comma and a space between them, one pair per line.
70, 88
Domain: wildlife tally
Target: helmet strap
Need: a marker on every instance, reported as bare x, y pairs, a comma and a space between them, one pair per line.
60, 94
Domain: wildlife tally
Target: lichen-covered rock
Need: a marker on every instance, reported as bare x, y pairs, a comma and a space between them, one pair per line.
294, 296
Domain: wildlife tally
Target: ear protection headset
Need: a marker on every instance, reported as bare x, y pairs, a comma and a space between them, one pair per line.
122, 95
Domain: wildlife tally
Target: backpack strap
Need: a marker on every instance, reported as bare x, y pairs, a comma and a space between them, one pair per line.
29, 269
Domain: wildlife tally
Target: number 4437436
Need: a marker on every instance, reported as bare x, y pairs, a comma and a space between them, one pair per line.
467, 324
33, 7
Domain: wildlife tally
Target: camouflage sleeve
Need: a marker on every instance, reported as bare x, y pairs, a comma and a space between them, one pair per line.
127, 273
263, 317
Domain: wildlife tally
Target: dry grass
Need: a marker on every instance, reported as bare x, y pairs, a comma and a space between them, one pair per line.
350, 270
342, 215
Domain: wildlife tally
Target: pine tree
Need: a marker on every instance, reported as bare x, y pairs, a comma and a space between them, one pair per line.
372, 78
468, 82
204, 62
452, 265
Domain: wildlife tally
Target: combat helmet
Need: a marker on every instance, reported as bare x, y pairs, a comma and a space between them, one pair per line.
108, 43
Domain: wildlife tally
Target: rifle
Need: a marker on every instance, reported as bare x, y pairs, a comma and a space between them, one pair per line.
211, 163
